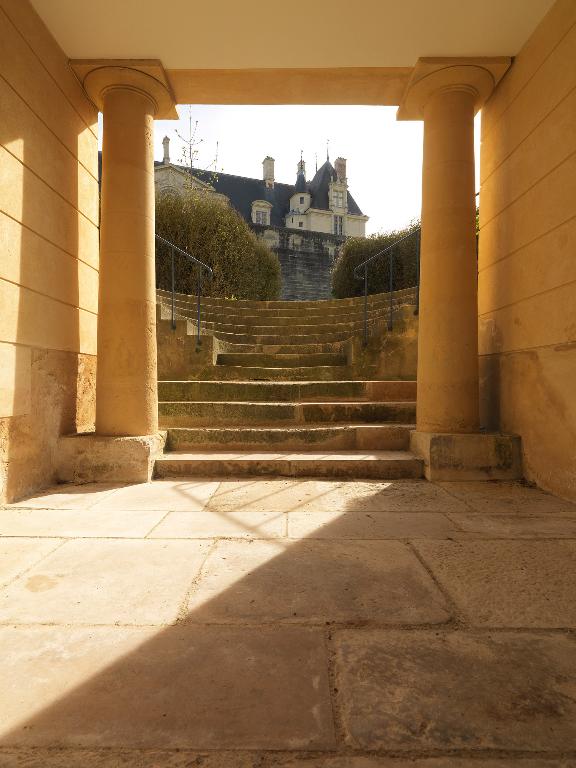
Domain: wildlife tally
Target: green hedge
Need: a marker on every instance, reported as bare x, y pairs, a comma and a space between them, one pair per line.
358, 249
244, 267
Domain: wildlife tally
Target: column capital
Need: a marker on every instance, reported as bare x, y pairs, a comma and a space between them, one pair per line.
478, 76
146, 76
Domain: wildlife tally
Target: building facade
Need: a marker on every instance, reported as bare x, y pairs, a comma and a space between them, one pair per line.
304, 223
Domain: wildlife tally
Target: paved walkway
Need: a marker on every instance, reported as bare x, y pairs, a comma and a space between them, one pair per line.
301, 623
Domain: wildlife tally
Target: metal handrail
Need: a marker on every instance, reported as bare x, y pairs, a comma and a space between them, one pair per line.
201, 264
389, 250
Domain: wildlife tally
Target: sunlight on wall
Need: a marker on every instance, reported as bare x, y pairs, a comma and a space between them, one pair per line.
15, 382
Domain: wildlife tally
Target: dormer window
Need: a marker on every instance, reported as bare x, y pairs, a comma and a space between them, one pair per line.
261, 212
338, 198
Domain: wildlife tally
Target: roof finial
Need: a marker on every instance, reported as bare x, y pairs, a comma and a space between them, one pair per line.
301, 153
316, 158
328, 150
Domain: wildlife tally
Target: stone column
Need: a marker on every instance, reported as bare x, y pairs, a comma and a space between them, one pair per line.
126, 399
126, 378
446, 94
448, 320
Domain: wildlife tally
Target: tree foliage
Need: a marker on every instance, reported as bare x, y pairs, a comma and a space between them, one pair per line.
358, 249
244, 267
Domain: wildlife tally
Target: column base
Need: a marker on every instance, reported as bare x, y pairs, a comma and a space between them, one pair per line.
475, 456
91, 458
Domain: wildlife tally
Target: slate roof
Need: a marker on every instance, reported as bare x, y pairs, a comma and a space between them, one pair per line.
242, 191
301, 185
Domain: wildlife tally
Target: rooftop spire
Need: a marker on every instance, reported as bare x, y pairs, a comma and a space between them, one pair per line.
301, 175
301, 165
328, 150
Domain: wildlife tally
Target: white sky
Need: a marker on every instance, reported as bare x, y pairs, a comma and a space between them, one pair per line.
384, 156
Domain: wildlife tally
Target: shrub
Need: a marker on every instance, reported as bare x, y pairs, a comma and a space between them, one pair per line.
358, 249
243, 266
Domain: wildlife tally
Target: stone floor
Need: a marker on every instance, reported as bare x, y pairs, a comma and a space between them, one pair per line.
301, 623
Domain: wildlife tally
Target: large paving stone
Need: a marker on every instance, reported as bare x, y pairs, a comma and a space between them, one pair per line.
168, 495
507, 583
507, 497
68, 496
50, 757
105, 582
207, 524
434, 690
335, 495
71, 523
515, 525
106, 758
183, 687
70, 757
317, 581
330, 524
19, 554
433, 762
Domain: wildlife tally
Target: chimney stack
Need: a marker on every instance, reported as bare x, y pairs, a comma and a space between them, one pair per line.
340, 168
268, 166
166, 145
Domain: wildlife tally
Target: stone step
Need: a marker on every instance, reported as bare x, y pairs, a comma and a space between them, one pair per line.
284, 305
340, 437
282, 335
263, 326
286, 391
283, 339
283, 349
273, 317
195, 414
316, 373
283, 331
258, 359
384, 465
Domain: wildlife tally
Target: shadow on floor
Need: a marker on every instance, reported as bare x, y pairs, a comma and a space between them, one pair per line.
340, 641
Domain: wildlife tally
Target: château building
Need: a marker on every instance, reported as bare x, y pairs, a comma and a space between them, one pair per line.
304, 223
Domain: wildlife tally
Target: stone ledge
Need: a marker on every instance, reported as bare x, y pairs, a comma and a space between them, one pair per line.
89, 458
468, 456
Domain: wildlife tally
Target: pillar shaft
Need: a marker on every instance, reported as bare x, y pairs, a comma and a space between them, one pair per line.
448, 322
126, 380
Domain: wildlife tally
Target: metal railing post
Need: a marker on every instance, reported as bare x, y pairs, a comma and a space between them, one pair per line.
200, 265
366, 305
391, 288
172, 274
198, 341
417, 308
389, 251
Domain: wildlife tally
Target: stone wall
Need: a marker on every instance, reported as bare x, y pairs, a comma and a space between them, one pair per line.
388, 354
306, 260
48, 251
527, 253
305, 275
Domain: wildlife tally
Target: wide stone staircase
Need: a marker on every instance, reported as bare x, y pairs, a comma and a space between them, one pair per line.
271, 391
